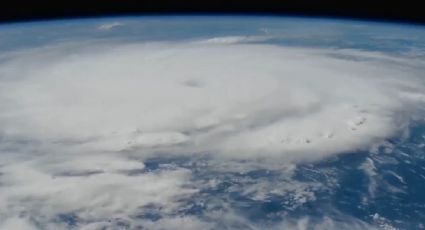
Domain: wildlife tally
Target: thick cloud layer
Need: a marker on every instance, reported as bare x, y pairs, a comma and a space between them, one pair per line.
78, 120
231, 100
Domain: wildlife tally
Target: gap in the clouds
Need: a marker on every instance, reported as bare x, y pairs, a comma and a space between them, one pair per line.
150, 212
70, 219
336, 187
369, 186
389, 170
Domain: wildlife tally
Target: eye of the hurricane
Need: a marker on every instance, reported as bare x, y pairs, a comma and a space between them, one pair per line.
208, 132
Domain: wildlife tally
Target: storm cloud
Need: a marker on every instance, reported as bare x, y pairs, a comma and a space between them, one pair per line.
77, 121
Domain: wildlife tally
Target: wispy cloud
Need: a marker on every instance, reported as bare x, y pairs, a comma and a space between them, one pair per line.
109, 26
236, 39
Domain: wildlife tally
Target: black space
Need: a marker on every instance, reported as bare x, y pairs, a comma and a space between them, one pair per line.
398, 11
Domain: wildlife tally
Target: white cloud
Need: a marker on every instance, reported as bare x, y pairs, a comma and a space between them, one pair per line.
286, 103
236, 39
94, 187
326, 223
189, 223
109, 26
75, 122
16, 224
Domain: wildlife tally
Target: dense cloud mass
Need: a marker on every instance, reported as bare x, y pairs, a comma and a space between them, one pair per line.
78, 121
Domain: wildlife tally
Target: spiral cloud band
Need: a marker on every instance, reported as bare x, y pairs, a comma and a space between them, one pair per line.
78, 120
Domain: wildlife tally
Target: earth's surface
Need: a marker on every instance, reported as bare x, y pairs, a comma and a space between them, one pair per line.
212, 123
